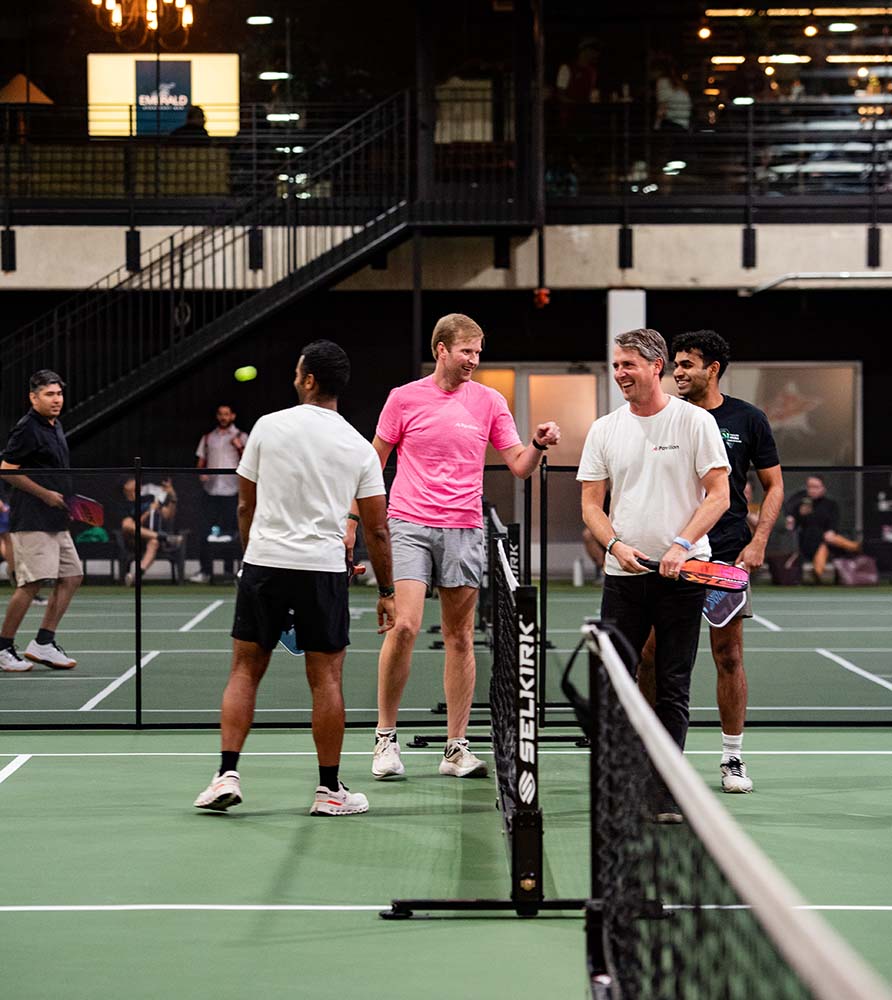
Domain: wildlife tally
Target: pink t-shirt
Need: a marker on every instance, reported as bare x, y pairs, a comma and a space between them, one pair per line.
441, 440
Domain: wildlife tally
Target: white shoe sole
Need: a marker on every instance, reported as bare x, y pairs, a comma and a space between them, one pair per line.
17, 670
323, 809
389, 773
70, 665
221, 803
451, 771
737, 789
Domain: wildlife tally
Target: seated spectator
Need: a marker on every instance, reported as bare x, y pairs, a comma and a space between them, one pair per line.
816, 516
157, 511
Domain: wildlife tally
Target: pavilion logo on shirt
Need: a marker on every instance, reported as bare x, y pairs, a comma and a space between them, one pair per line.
730, 438
467, 427
666, 447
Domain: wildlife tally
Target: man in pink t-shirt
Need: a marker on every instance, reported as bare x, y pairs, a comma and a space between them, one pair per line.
440, 427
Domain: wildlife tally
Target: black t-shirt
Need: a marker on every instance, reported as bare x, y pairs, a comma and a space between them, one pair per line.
35, 443
813, 518
749, 443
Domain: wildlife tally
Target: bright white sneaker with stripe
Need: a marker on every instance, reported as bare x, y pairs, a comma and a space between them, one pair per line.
459, 762
387, 762
343, 802
734, 776
224, 791
50, 654
12, 662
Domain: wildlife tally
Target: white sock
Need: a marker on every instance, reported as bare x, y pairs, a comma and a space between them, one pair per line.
732, 746
386, 731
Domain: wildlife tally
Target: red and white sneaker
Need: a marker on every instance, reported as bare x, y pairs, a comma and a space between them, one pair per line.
50, 654
224, 791
343, 802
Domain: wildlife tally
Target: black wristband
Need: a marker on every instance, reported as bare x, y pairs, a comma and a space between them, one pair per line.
386, 591
539, 447
353, 517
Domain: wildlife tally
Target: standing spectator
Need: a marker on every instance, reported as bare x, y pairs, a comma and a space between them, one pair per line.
220, 448
193, 127
673, 120
817, 517
440, 426
701, 359
301, 470
42, 545
666, 466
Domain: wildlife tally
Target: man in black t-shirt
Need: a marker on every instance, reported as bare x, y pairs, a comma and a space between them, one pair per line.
43, 548
700, 361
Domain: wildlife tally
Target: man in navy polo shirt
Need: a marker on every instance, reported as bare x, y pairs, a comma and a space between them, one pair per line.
43, 548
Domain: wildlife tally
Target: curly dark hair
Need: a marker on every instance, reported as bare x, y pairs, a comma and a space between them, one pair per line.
708, 343
327, 361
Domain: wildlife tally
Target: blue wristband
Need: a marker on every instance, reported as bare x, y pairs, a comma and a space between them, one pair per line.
683, 542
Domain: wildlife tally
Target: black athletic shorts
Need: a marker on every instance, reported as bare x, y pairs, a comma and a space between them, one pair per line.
270, 600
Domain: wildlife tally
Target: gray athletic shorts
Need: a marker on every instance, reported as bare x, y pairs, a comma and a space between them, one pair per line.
439, 557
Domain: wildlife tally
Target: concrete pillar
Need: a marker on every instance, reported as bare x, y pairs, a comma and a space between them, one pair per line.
626, 310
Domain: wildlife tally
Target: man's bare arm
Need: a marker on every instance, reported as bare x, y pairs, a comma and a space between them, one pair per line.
373, 514
27, 485
247, 504
753, 554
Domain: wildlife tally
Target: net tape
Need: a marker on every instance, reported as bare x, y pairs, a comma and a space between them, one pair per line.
694, 909
503, 682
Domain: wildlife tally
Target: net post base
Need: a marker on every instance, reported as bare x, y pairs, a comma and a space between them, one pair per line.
405, 909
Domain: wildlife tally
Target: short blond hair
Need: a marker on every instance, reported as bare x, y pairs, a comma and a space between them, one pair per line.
452, 328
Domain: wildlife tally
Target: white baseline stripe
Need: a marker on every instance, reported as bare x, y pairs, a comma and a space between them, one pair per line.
13, 766
200, 617
570, 752
131, 907
866, 674
115, 684
766, 623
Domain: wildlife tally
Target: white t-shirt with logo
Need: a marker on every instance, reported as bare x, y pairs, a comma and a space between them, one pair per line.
309, 464
654, 465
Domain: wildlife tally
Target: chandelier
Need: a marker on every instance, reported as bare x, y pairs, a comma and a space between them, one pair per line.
133, 22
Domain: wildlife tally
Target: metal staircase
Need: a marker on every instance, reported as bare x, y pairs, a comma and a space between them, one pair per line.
314, 221
322, 215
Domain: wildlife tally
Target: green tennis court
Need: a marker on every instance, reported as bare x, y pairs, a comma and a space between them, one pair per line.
112, 884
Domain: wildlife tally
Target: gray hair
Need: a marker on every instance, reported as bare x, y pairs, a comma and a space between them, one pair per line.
648, 343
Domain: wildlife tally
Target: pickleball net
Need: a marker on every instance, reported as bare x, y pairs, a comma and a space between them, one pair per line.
513, 713
683, 902
513, 631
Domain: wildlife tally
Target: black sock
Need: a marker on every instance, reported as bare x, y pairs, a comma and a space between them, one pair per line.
45, 636
6, 643
228, 761
328, 777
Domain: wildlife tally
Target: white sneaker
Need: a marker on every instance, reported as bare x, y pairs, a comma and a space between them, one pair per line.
12, 662
734, 776
387, 762
343, 802
50, 654
459, 762
200, 578
224, 791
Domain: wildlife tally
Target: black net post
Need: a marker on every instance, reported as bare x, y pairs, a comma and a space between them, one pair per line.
526, 842
137, 588
543, 583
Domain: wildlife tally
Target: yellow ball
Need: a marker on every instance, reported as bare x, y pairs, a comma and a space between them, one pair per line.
245, 374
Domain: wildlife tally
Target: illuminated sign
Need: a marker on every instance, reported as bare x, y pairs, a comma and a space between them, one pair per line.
135, 94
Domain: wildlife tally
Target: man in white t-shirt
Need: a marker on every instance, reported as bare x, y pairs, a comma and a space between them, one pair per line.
666, 467
220, 448
301, 470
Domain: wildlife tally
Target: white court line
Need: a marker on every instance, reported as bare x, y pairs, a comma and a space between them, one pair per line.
200, 617
569, 752
866, 674
115, 684
13, 766
136, 907
766, 623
